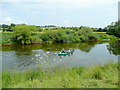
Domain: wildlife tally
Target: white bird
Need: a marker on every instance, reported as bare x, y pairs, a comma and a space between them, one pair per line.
36, 54
47, 52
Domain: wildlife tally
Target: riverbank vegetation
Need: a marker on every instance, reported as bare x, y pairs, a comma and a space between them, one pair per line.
55, 37
6, 37
98, 76
29, 34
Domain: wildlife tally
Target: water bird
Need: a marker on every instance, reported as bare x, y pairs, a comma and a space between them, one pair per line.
36, 54
47, 52
54, 59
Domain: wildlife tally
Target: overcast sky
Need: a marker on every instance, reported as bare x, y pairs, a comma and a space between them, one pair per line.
93, 13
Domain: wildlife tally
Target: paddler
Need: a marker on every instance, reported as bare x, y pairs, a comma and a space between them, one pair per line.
63, 51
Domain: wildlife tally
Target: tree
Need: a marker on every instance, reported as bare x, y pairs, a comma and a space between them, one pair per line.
23, 34
10, 27
5, 27
114, 29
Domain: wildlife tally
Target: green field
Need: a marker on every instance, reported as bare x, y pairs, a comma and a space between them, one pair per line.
105, 76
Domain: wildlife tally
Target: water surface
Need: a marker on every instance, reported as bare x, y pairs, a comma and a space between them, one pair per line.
23, 57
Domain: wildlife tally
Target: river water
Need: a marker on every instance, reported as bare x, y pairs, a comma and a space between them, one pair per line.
24, 57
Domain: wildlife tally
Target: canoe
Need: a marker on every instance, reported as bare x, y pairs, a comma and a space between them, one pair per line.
64, 54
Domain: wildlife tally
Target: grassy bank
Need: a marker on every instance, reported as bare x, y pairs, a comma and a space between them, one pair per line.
104, 36
6, 37
105, 76
60, 36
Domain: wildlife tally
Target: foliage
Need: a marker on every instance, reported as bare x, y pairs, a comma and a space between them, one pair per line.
114, 47
6, 37
86, 33
100, 29
64, 36
105, 76
101, 36
114, 29
23, 34
8, 27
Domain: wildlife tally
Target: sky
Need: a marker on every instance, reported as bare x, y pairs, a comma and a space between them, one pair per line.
92, 13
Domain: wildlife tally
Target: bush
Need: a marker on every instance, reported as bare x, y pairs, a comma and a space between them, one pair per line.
114, 29
23, 34
64, 36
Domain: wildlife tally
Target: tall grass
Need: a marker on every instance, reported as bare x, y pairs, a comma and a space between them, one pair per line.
105, 76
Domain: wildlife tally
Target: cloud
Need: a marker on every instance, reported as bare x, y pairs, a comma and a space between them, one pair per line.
67, 3
9, 20
67, 12
66, 23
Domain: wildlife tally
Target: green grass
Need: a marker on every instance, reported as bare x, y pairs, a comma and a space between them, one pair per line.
101, 36
6, 37
105, 76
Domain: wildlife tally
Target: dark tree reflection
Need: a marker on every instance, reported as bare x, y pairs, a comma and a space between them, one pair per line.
114, 47
83, 46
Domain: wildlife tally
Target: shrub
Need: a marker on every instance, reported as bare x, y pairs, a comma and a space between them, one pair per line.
23, 34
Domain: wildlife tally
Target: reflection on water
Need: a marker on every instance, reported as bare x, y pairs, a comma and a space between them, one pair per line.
114, 47
22, 57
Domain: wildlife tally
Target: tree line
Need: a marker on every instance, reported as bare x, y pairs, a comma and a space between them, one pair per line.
27, 34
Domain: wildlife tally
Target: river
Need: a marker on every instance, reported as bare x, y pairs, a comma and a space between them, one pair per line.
24, 57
